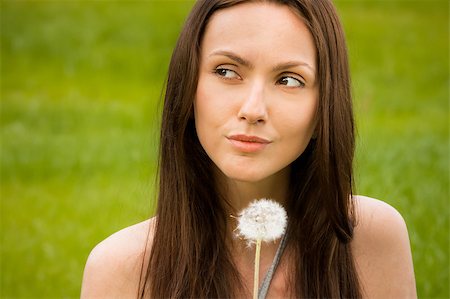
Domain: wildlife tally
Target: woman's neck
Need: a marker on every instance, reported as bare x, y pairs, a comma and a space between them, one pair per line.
240, 193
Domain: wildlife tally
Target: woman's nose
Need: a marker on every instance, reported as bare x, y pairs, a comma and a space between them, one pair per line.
253, 108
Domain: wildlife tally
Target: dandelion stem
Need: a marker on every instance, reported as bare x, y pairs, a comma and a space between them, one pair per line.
256, 275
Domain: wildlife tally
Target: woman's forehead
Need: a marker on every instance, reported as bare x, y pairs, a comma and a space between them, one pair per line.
259, 30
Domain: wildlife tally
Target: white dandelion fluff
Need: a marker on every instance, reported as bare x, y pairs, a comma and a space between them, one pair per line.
263, 220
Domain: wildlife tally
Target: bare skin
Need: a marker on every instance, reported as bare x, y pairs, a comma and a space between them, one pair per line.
114, 266
381, 249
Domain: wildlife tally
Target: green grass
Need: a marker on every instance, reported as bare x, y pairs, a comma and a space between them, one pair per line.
80, 89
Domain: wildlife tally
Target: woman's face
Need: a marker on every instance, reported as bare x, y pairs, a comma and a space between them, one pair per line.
257, 94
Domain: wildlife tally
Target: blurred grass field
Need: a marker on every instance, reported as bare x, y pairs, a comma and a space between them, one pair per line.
80, 90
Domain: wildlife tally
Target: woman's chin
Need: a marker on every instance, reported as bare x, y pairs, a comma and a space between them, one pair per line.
245, 176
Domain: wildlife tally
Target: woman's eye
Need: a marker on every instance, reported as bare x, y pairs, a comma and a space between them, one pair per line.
291, 82
226, 73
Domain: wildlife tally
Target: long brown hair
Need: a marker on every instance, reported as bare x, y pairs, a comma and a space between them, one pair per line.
189, 257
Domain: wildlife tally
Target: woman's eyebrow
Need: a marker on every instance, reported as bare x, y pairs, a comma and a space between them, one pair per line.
291, 64
233, 56
246, 63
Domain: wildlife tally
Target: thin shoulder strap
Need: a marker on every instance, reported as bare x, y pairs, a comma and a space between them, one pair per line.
262, 293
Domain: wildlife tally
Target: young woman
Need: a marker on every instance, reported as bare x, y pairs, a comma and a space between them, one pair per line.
257, 105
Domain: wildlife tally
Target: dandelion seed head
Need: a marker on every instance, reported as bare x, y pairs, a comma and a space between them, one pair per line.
263, 219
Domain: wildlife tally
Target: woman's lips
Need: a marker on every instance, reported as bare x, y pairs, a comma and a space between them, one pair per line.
248, 144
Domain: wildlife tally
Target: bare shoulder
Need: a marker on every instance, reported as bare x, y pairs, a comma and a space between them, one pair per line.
382, 251
114, 266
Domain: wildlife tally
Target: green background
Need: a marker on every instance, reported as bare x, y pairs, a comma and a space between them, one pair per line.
80, 104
